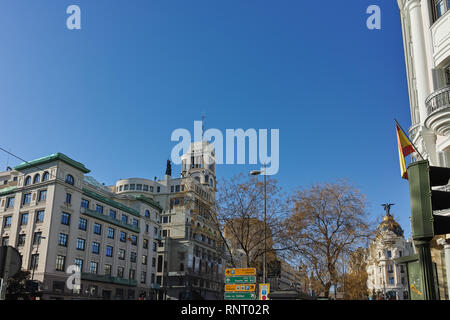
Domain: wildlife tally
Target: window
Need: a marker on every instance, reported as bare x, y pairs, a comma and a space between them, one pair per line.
5, 241
79, 264
177, 188
110, 233
147, 214
154, 246
133, 240
390, 268
46, 176
97, 228
109, 251
402, 269
112, 214
27, 180
132, 186
133, 257
82, 224
391, 280
147, 228
153, 262
70, 180
37, 178
139, 187
95, 247
42, 195
145, 243
132, 274
99, 209
171, 188
21, 240
120, 188
10, 202
145, 187
62, 239
120, 271
24, 219
123, 236
65, 218
158, 189
144, 260
389, 254
40, 216
85, 203
60, 263
151, 189
26, 198
68, 198
125, 188
143, 276
93, 267
8, 221
165, 219
124, 219
37, 238
81, 244
121, 254
135, 223
108, 269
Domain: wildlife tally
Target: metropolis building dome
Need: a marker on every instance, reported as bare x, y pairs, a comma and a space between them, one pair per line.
386, 278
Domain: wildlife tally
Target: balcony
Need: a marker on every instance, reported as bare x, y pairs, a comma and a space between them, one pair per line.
108, 279
100, 216
438, 112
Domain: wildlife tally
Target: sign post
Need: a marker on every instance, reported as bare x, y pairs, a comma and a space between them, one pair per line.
264, 290
240, 284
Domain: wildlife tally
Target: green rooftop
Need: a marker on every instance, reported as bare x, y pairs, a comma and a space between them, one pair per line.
53, 157
7, 190
149, 201
110, 202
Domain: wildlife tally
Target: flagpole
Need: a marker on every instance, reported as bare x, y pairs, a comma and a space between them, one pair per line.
407, 137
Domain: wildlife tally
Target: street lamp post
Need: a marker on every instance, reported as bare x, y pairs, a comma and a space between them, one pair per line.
255, 173
37, 252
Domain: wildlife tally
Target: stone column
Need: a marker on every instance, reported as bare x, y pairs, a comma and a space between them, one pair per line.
419, 55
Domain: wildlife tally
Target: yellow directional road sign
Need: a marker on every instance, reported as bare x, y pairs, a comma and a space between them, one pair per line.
240, 287
240, 272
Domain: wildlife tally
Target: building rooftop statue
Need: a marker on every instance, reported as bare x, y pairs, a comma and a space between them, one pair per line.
389, 223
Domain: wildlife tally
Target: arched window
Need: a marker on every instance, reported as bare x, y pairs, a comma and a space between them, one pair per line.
69, 179
147, 213
37, 178
27, 180
45, 176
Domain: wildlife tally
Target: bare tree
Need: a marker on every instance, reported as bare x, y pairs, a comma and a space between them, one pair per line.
240, 217
326, 221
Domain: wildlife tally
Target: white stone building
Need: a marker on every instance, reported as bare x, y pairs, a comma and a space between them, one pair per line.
56, 217
140, 236
426, 40
190, 256
387, 279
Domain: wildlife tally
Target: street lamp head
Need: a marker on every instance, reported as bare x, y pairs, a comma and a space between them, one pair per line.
255, 172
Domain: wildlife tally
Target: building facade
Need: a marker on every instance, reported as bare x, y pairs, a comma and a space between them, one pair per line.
387, 279
58, 217
426, 40
190, 255
141, 238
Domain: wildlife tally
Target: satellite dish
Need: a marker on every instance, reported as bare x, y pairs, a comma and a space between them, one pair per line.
15, 261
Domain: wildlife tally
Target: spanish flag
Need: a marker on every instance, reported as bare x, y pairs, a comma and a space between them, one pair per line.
404, 148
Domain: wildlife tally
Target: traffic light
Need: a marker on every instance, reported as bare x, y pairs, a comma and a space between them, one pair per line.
425, 201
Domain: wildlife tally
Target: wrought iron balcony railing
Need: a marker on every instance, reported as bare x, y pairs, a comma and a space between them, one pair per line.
438, 100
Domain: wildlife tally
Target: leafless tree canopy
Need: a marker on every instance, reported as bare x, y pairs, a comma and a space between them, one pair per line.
240, 214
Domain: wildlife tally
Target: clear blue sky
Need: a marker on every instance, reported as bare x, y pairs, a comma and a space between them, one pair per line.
109, 95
